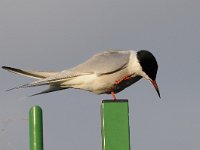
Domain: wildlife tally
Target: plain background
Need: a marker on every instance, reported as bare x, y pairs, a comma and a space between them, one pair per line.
56, 35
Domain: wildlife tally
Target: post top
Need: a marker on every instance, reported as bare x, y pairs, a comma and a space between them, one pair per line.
114, 101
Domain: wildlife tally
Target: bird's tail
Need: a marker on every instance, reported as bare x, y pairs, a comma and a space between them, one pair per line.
55, 80
49, 90
40, 75
29, 73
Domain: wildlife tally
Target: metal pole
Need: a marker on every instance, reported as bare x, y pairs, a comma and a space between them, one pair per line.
35, 128
115, 125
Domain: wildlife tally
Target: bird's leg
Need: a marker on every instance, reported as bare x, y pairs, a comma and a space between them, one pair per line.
118, 82
122, 79
113, 95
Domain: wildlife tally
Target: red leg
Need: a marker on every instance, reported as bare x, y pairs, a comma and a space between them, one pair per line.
122, 79
113, 95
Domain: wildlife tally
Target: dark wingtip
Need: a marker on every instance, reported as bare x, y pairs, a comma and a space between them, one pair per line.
4, 67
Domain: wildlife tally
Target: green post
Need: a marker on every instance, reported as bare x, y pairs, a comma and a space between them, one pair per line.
115, 125
36, 128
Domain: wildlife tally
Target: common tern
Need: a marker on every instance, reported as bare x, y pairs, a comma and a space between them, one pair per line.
108, 72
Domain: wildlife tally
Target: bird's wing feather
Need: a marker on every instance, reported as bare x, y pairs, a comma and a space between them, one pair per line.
29, 73
104, 63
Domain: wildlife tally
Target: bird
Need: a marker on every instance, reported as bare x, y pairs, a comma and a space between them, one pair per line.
107, 72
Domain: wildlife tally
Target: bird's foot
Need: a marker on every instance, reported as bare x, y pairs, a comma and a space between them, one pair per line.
113, 95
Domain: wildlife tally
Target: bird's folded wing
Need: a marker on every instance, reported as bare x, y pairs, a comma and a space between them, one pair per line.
104, 63
29, 73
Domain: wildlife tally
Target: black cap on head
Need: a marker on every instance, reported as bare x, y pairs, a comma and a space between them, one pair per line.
148, 63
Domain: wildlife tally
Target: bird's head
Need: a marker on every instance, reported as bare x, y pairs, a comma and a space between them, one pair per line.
149, 67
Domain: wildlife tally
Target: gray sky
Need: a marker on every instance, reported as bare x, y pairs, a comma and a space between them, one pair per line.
56, 35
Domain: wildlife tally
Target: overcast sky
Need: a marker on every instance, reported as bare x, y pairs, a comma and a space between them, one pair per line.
56, 35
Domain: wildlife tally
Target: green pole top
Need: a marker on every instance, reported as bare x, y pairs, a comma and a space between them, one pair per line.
36, 128
115, 125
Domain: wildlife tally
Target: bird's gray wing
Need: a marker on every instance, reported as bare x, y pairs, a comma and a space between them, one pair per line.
104, 63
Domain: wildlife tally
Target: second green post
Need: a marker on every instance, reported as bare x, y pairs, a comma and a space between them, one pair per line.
36, 128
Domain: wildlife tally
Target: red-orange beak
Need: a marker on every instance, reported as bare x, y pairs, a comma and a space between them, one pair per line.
155, 86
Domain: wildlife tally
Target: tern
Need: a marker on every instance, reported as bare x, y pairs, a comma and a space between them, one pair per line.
108, 72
